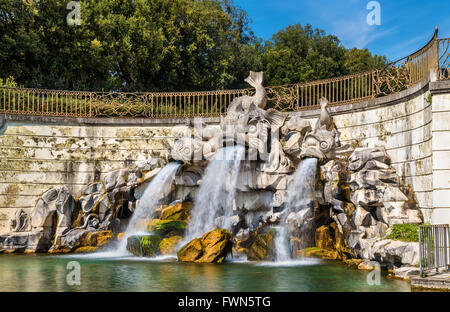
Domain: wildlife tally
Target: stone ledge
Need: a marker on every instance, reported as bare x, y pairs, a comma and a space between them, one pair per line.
438, 87
102, 121
438, 282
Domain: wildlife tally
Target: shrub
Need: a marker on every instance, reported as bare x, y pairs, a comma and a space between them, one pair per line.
405, 232
8, 82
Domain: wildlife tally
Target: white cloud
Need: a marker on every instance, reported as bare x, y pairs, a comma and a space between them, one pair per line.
348, 21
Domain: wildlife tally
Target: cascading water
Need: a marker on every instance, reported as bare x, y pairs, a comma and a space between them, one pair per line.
158, 188
299, 195
217, 192
282, 245
301, 189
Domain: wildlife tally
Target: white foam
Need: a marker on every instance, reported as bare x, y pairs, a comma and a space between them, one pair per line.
290, 263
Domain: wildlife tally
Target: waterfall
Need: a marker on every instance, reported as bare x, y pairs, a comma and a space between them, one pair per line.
299, 195
301, 188
282, 244
151, 198
217, 192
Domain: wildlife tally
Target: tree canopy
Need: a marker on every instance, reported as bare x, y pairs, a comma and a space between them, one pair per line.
300, 54
160, 45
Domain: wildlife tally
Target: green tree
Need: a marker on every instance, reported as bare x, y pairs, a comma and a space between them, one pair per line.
358, 60
300, 54
127, 45
160, 45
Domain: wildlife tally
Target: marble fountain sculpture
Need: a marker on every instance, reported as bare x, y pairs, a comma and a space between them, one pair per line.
235, 188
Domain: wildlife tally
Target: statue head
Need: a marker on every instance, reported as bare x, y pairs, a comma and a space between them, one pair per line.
319, 144
254, 79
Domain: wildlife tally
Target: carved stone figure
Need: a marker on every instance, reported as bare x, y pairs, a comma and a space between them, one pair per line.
239, 110
191, 148
322, 142
294, 132
21, 222
247, 123
64, 207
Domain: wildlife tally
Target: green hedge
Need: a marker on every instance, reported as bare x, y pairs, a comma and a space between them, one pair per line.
405, 232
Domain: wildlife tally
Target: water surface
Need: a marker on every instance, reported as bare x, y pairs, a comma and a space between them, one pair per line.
103, 273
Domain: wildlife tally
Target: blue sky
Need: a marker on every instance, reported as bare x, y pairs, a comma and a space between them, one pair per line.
405, 25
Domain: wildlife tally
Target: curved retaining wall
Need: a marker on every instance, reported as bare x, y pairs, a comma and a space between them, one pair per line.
414, 126
39, 152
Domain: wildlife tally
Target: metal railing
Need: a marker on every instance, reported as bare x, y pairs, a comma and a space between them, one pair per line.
394, 77
444, 59
434, 248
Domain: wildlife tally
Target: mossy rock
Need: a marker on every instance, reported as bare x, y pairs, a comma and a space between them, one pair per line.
77, 215
349, 208
317, 253
134, 245
168, 245
323, 237
212, 247
191, 251
144, 245
96, 238
86, 249
263, 247
86, 239
163, 228
329, 243
179, 211
150, 245
216, 245
167, 228
55, 249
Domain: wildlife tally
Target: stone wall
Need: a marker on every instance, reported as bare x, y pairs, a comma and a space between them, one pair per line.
440, 111
37, 156
414, 126
405, 130
40, 152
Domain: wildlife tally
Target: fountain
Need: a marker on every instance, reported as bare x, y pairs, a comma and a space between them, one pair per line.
300, 192
216, 194
282, 245
158, 189
298, 188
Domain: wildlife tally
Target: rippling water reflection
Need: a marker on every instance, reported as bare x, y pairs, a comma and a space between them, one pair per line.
48, 273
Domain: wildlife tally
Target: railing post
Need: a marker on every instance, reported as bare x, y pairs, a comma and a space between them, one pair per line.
420, 251
90, 104
435, 67
429, 257
436, 249
445, 230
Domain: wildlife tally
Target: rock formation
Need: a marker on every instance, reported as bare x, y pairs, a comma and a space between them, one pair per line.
212, 247
60, 221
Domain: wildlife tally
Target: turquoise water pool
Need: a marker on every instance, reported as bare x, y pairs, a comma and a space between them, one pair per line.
98, 273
